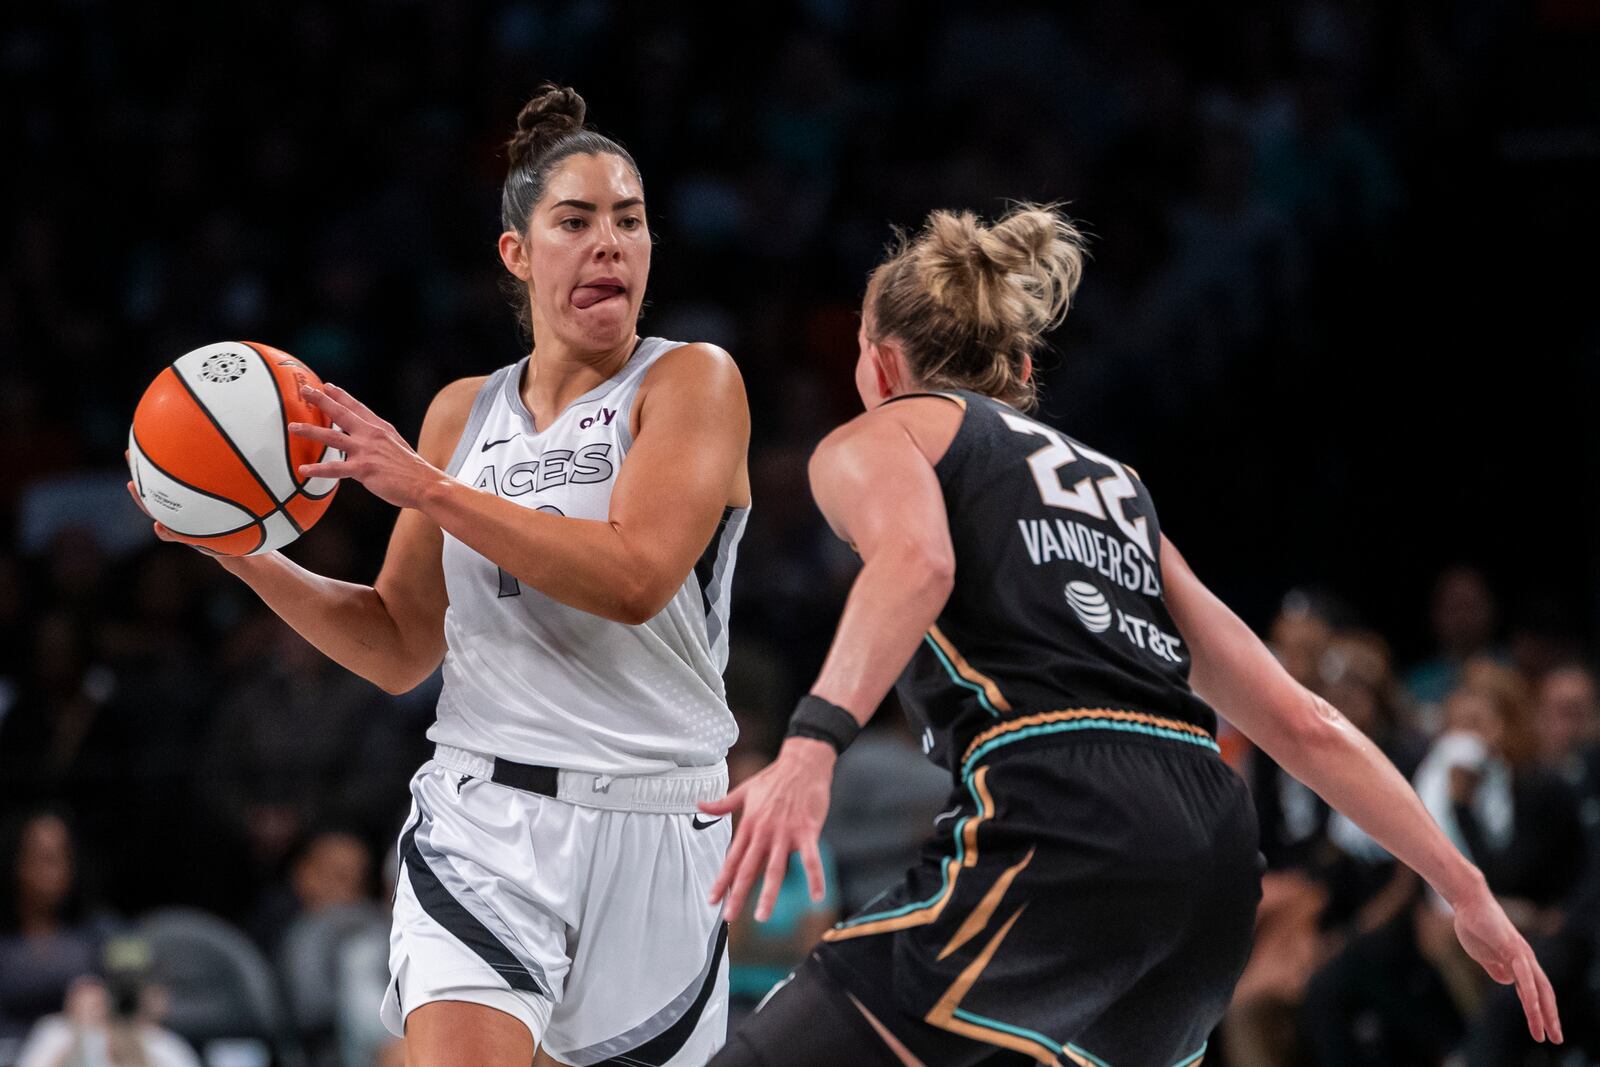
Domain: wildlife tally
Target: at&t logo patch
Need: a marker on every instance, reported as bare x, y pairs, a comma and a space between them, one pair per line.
1088, 603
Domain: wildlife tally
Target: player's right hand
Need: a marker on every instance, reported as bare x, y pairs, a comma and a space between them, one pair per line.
1489, 937
783, 808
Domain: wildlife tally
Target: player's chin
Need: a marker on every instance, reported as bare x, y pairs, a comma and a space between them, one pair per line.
606, 324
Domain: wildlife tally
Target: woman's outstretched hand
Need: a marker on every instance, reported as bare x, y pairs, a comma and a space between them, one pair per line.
1489, 937
781, 810
374, 452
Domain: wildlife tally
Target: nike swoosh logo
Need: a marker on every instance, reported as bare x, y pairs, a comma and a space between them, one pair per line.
698, 825
490, 444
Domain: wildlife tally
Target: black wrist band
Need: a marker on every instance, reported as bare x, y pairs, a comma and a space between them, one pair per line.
822, 720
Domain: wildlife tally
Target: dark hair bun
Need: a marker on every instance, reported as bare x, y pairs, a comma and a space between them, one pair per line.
554, 112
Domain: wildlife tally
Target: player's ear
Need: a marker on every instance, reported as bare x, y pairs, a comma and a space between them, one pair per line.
889, 362
514, 254
1027, 367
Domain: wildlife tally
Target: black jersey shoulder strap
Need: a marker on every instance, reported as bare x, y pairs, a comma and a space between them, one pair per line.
955, 398
954, 452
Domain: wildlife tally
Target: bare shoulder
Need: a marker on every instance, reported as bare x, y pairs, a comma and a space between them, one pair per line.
929, 421
447, 418
698, 364
693, 379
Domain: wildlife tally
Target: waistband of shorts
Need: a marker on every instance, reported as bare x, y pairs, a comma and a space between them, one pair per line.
669, 792
1086, 722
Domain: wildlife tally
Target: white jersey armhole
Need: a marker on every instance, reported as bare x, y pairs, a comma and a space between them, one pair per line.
476, 418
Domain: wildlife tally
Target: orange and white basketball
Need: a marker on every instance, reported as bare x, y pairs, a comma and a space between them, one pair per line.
212, 456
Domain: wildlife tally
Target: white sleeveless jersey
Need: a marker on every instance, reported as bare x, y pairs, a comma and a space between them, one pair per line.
533, 680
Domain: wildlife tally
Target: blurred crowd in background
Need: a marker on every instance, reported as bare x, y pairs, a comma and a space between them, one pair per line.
1330, 316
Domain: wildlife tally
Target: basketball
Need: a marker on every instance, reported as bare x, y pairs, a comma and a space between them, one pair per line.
211, 453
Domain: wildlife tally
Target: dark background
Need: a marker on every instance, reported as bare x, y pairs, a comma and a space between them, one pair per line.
1341, 313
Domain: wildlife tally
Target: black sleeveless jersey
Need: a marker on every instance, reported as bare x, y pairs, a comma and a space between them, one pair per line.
1056, 623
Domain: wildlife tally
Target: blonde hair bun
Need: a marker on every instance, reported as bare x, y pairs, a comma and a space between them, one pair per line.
971, 301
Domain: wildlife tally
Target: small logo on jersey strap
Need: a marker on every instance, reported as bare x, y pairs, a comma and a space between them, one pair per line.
603, 416
698, 825
490, 444
1089, 604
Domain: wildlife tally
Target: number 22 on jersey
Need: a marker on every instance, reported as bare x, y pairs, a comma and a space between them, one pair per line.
1098, 498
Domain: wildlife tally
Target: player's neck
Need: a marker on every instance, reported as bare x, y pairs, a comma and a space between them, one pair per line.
558, 374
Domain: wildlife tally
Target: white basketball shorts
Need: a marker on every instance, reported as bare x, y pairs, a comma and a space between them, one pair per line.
587, 923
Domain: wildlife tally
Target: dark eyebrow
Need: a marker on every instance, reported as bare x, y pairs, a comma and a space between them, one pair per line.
584, 205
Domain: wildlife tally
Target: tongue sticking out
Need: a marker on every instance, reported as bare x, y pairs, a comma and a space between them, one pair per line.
586, 296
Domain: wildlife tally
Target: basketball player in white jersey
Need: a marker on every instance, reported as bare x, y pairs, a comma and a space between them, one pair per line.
565, 547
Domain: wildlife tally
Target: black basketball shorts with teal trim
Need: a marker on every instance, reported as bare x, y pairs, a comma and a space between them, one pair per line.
1090, 901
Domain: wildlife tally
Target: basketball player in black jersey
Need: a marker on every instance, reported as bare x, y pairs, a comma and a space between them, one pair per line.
1090, 897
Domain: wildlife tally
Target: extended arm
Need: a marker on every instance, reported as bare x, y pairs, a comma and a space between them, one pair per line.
879, 491
1235, 673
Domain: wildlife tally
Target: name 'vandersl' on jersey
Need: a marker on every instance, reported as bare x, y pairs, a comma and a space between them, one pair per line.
1121, 561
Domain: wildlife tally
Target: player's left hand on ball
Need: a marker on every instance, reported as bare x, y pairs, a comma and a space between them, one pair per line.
374, 452
782, 810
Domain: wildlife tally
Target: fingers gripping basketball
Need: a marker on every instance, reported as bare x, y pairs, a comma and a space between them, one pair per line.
211, 454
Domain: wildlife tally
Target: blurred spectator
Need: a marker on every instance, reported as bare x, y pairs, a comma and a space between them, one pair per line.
151, 635
1462, 614
1259, 1027
96, 1030
65, 739
362, 978
334, 965
48, 934
1342, 883
1290, 815
1356, 679
285, 751
885, 796
1542, 637
331, 869
1515, 820
1565, 721
1382, 1002
1404, 993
